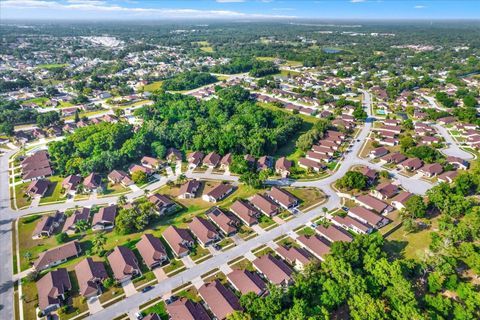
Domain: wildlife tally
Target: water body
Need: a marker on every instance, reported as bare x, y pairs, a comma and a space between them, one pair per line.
331, 50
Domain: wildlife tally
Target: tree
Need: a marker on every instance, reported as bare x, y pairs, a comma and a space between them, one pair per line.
415, 207
82, 226
47, 119
139, 177
77, 116
359, 113
99, 242
406, 142
352, 180
122, 200
251, 179
61, 238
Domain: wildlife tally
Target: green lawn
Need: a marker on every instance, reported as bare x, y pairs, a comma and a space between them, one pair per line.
225, 242
264, 251
308, 196
307, 231
174, 264
159, 309
41, 101
190, 293
265, 221
243, 264
153, 86
199, 252
30, 300
21, 199
55, 191
246, 232
51, 66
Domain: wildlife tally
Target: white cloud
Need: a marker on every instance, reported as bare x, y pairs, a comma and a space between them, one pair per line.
419, 7
98, 6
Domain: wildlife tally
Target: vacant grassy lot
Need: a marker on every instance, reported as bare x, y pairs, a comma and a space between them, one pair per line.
309, 196
153, 86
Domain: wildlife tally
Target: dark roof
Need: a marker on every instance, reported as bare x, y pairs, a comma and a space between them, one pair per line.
224, 221
65, 251
189, 186
70, 222
282, 196
246, 281
185, 309
274, 269
107, 214
151, 249
51, 286
334, 233
219, 299
175, 238
203, 229
245, 211
123, 262
88, 273
316, 244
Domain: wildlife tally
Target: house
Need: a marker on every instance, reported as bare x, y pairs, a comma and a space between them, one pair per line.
52, 290
179, 240
274, 270
152, 316
284, 198
219, 299
448, 176
373, 204
458, 163
47, 225
411, 164
173, 155
162, 203
36, 166
378, 152
211, 160
218, 193
296, 256
93, 182
120, 177
282, 167
37, 188
189, 189
90, 275
317, 157
151, 163
431, 170
333, 233
399, 201
124, 264
246, 281
384, 191
310, 165
446, 120
245, 211
152, 250
315, 244
225, 222
264, 162
226, 161
104, 219
395, 158
136, 167
185, 309
71, 222
57, 255
370, 174
265, 205
368, 217
195, 158
351, 224
70, 183
204, 231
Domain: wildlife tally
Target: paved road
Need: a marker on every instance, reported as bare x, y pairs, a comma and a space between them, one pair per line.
452, 148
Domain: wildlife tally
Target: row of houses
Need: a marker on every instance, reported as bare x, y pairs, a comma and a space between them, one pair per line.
323, 152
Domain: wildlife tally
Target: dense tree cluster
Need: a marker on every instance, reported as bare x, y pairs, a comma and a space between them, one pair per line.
352, 180
10, 114
188, 80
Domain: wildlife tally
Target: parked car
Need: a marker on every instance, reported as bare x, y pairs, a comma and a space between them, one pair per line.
345, 209
147, 288
139, 315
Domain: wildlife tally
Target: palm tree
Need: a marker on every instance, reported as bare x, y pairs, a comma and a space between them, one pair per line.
122, 199
98, 242
82, 226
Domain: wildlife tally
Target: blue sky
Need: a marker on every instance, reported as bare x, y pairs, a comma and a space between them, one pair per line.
238, 9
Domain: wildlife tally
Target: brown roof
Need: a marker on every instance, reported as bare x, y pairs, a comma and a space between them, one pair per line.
219, 299
372, 202
365, 215
246, 281
176, 237
226, 159
70, 222
185, 309
274, 269
136, 167
294, 254
92, 181
36, 165
245, 211
107, 214
71, 182
433, 168
265, 205
413, 163
51, 286
283, 164
310, 163
387, 189
195, 157
316, 244
173, 153
189, 186
282, 196
402, 197
369, 173
88, 273
117, 175
151, 249
226, 223
264, 162
448, 175
212, 159
65, 251
45, 224
38, 187
123, 262
149, 161
334, 233
349, 222
203, 230
152, 316
220, 190
395, 157
160, 201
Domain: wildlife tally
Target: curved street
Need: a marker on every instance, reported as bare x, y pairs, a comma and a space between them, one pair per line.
333, 201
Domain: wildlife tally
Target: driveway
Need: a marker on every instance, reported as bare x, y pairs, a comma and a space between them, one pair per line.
94, 305
159, 274
129, 288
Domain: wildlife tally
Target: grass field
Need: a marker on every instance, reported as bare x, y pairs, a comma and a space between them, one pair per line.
21, 199
38, 101
309, 196
51, 66
159, 309
153, 86
54, 192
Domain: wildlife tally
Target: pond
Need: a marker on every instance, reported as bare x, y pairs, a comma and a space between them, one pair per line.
331, 50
